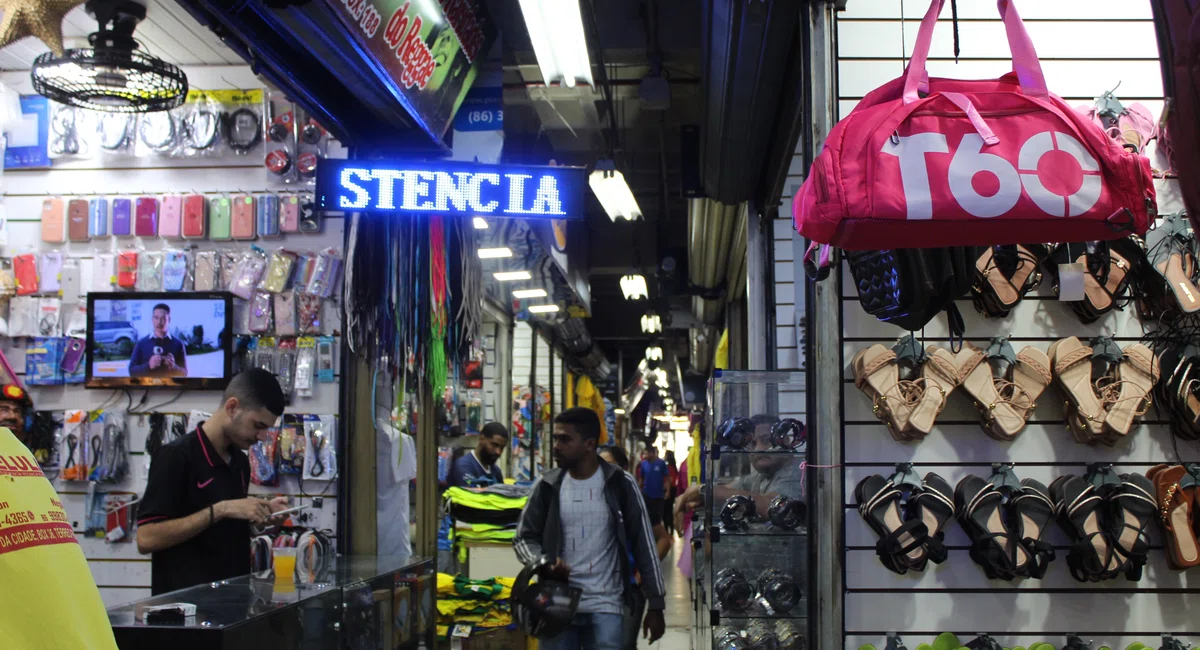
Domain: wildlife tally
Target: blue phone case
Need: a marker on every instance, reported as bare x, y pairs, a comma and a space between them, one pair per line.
268, 216
98, 218
121, 221
174, 270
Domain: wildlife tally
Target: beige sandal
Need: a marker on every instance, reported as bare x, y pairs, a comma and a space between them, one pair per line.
1071, 361
1031, 375
1000, 419
1137, 374
876, 374
940, 378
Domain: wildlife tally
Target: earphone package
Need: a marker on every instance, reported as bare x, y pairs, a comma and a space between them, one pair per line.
200, 122
242, 122
116, 134
312, 145
320, 455
71, 132
281, 152
158, 134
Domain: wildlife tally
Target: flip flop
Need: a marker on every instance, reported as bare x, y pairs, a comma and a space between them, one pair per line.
1078, 507
1131, 508
1000, 419
901, 543
1137, 373
980, 511
1034, 511
933, 506
1175, 506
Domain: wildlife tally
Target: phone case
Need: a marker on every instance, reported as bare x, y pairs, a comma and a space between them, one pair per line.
49, 272
73, 355
77, 220
229, 262
146, 217
289, 214
170, 217
310, 219
195, 216
121, 209
53, 224
242, 224
127, 266
104, 272
206, 271
260, 313
98, 218
71, 287
219, 217
25, 270
268, 216
285, 314
174, 270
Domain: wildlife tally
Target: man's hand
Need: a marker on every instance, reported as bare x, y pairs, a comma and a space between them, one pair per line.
560, 570
156, 361
277, 504
653, 626
249, 509
170, 360
686, 502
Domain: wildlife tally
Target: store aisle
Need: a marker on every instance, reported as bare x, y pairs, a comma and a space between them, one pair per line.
679, 604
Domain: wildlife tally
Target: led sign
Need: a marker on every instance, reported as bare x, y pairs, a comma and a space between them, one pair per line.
451, 188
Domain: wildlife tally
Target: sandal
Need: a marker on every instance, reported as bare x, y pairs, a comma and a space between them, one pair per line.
1033, 513
1078, 507
933, 505
978, 504
1031, 375
1178, 393
1131, 508
1000, 418
1071, 361
1175, 503
901, 543
1137, 373
1173, 259
1004, 275
876, 374
940, 378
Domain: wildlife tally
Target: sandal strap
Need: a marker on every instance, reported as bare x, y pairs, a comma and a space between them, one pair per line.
990, 554
871, 368
890, 546
880, 496
1041, 554
935, 548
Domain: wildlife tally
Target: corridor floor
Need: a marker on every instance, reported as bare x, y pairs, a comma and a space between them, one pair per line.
679, 605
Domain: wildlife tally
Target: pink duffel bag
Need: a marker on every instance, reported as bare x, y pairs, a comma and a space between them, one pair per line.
923, 163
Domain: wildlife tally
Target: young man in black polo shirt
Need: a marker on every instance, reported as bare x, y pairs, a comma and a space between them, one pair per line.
195, 515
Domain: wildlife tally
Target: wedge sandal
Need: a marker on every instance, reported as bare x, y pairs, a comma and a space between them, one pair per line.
939, 378
1072, 365
1176, 506
876, 374
1000, 419
1131, 509
980, 511
1137, 373
1033, 511
1078, 508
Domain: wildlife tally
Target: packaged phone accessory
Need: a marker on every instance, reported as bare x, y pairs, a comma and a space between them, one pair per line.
259, 320
98, 218
310, 218
292, 444
325, 274
289, 214
127, 269
53, 221
122, 210
49, 317
264, 459
170, 219
49, 267
220, 218
306, 366
229, 264
175, 266
285, 366
206, 271
77, 220
70, 287
77, 322
195, 216
25, 268
325, 371
104, 272
22, 316
268, 216
72, 355
279, 271
308, 313
73, 456
42, 355
145, 217
248, 273
320, 459
8, 279
285, 313
242, 223
264, 353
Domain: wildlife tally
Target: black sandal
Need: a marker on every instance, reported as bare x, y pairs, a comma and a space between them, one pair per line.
901, 544
980, 511
1004, 275
933, 505
1078, 509
1132, 507
1033, 511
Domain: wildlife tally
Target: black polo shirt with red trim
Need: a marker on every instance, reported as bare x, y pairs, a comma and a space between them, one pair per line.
186, 476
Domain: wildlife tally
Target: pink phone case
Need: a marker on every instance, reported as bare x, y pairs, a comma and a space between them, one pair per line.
289, 214
146, 220
170, 218
54, 230
243, 226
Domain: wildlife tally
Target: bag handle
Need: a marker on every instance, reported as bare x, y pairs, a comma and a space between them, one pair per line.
1024, 57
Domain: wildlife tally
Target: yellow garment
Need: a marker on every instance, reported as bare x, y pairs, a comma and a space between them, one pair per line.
483, 500
721, 359
587, 396
693, 458
48, 599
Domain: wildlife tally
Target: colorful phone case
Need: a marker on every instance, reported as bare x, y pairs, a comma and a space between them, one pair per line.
170, 217
195, 216
146, 217
25, 271
220, 211
77, 220
73, 355
121, 223
268, 216
53, 221
127, 266
174, 270
98, 218
242, 224
289, 214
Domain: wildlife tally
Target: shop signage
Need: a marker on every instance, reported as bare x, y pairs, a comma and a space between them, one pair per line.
429, 49
451, 188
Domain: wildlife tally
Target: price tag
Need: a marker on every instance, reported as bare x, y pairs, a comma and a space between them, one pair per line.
1070, 281
461, 630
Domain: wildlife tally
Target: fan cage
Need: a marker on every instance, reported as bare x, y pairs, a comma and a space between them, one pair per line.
110, 80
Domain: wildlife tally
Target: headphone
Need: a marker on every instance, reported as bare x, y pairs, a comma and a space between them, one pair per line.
788, 433
735, 433
738, 512
786, 513
779, 590
732, 589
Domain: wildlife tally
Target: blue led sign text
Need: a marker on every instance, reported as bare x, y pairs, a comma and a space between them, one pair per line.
451, 188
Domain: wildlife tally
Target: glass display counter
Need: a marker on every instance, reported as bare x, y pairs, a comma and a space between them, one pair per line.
358, 603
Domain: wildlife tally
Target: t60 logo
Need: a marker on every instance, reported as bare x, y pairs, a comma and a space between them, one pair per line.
1043, 171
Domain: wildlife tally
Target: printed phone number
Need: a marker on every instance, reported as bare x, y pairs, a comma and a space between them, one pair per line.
18, 518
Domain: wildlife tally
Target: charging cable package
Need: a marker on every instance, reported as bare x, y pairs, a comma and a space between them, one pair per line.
242, 122
280, 159
264, 459
200, 122
158, 134
116, 134
108, 447
74, 446
49, 317
45, 440
71, 132
292, 445
320, 459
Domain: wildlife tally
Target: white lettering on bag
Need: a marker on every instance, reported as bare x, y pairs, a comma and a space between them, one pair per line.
970, 159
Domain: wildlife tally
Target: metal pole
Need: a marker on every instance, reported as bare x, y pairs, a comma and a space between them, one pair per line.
823, 342
758, 319
534, 411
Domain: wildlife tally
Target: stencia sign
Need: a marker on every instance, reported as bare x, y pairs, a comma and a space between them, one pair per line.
451, 188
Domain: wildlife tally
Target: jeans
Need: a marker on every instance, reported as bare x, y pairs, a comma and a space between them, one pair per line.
588, 632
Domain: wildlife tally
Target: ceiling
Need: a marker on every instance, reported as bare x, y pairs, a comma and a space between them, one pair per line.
168, 32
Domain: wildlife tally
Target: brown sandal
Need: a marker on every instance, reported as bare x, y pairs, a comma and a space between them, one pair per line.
1000, 419
876, 374
1175, 505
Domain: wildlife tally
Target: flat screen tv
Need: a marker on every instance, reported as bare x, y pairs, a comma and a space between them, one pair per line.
159, 340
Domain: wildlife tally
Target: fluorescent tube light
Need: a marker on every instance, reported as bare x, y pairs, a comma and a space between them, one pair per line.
654, 353
556, 33
510, 276
613, 192
493, 253
529, 293
619, 411
480, 223
651, 323
633, 286
543, 309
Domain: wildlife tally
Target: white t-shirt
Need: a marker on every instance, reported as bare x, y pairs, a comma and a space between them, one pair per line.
590, 544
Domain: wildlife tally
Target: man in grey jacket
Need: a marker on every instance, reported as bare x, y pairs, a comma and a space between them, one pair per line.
589, 516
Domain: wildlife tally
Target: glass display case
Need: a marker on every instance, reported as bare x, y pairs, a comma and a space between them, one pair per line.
751, 550
358, 603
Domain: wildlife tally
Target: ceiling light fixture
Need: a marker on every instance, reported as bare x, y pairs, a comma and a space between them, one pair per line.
529, 293
556, 33
619, 411
654, 353
634, 287
511, 276
543, 309
651, 324
493, 253
613, 192
480, 223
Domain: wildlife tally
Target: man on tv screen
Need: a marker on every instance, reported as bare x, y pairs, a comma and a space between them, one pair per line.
159, 354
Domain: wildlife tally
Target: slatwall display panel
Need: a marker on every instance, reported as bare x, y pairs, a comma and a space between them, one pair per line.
491, 369
956, 596
121, 573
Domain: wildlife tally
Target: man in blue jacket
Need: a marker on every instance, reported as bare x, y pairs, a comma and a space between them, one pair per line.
159, 354
589, 516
